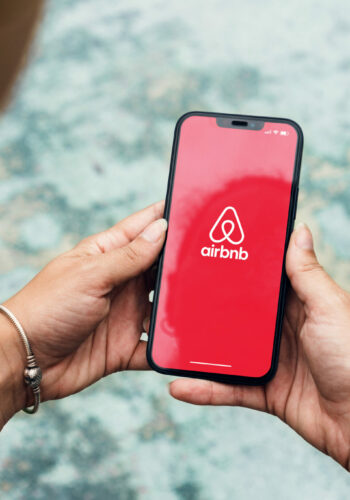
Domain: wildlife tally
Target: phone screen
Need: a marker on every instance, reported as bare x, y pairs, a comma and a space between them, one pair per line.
217, 303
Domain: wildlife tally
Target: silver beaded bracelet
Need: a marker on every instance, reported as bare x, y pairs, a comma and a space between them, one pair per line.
32, 372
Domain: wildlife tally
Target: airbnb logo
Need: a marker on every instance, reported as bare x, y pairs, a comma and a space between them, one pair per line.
232, 223
228, 228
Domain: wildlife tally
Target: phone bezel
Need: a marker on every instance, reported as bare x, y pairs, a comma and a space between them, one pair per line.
220, 377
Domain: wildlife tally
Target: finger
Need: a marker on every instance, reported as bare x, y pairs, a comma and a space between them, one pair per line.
308, 278
205, 392
145, 324
132, 225
130, 260
124, 231
138, 360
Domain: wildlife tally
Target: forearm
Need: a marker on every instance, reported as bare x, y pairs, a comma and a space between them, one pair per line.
12, 364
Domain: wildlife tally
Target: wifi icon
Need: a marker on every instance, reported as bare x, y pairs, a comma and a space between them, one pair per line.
275, 132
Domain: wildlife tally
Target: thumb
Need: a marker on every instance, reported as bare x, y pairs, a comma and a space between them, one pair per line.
130, 260
308, 278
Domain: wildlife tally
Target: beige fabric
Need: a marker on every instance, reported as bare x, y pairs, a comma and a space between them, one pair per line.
18, 20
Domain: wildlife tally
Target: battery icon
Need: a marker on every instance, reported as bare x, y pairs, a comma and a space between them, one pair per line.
284, 132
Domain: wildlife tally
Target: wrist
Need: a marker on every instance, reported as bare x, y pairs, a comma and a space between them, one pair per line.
13, 392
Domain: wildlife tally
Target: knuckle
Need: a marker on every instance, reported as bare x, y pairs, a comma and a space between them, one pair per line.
84, 241
131, 254
311, 267
84, 245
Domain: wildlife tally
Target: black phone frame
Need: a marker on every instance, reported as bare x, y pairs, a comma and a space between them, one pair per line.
221, 377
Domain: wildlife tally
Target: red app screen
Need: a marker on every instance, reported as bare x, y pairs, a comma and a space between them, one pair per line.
220, 283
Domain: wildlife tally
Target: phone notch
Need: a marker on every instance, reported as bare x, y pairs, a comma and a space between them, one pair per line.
240, 123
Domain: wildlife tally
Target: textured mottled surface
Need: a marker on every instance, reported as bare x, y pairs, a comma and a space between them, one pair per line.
86, 141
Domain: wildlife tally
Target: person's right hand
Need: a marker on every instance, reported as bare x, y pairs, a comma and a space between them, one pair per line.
311, 390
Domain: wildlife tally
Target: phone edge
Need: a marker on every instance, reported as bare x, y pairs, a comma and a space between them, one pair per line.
230, 379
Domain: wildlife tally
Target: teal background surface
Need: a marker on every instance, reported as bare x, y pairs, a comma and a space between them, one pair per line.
86, 141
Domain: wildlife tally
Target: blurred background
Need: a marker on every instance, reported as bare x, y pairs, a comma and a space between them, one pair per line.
87, 140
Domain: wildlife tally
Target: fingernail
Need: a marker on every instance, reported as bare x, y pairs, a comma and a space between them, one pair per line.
155, 231
303, 237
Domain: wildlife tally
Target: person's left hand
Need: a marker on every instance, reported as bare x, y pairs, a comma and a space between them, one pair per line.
83, 312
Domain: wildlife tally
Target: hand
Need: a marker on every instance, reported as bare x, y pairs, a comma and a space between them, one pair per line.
311, 389
83, 312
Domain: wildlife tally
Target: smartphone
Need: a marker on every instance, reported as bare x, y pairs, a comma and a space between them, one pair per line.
219, 295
